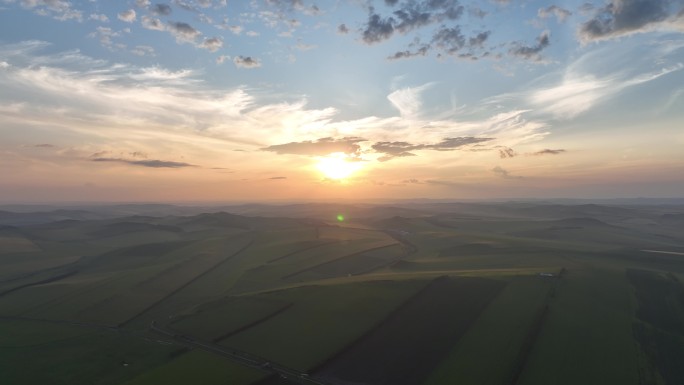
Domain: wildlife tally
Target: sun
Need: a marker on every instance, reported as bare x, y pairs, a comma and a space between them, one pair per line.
337, 166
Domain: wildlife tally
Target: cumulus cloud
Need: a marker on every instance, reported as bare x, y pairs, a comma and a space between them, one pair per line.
319, 147
623, 17
183, 32
533, 52
561, 14
128, 16
161, 9
143, 50
342, 29
59, 9
246, 62
409, 15
152, 23
212, 44
503, 173
98, 17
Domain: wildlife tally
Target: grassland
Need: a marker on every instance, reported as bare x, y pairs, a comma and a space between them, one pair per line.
431, 294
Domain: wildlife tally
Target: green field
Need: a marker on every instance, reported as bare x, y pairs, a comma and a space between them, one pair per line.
471, 294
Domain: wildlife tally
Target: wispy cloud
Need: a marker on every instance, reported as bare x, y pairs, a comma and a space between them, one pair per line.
152, 163
318, 147
548, 151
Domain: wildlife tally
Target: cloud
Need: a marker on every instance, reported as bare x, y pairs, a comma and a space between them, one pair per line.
319, 147
548, 152
507, 152
578, 92
532, 53
161, 9
377, 29
407, 100
59, 9
128, 16
151, 163
503, 173
143, 50
246, 62
342, 29
98, 17
183, 32
392, 150
561, 14
212, 44
277, 177
158, 105
152, 23
450, 40
410, 15
623, 17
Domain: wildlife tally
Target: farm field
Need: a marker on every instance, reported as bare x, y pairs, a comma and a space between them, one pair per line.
432, 294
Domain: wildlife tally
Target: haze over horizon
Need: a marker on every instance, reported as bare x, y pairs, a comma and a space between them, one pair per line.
282, 100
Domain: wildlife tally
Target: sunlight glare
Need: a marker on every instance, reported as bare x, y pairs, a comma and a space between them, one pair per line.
337, 166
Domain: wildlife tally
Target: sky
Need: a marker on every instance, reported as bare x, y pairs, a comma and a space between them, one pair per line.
295, 100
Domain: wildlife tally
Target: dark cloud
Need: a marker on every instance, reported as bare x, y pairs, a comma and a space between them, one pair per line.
391, 3
161, 9
554, 10
532, 53
152, 163
503, 173
548, 152
410, 15
183, 31
377, 28
422, 51
449, 40
45, 145
448, 144
402, 149
319, 147
246, 62
479, 39
394, 149
621, 17
342, 29
507, 152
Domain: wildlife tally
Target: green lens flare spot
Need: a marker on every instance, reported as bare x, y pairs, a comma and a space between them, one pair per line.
340, 217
